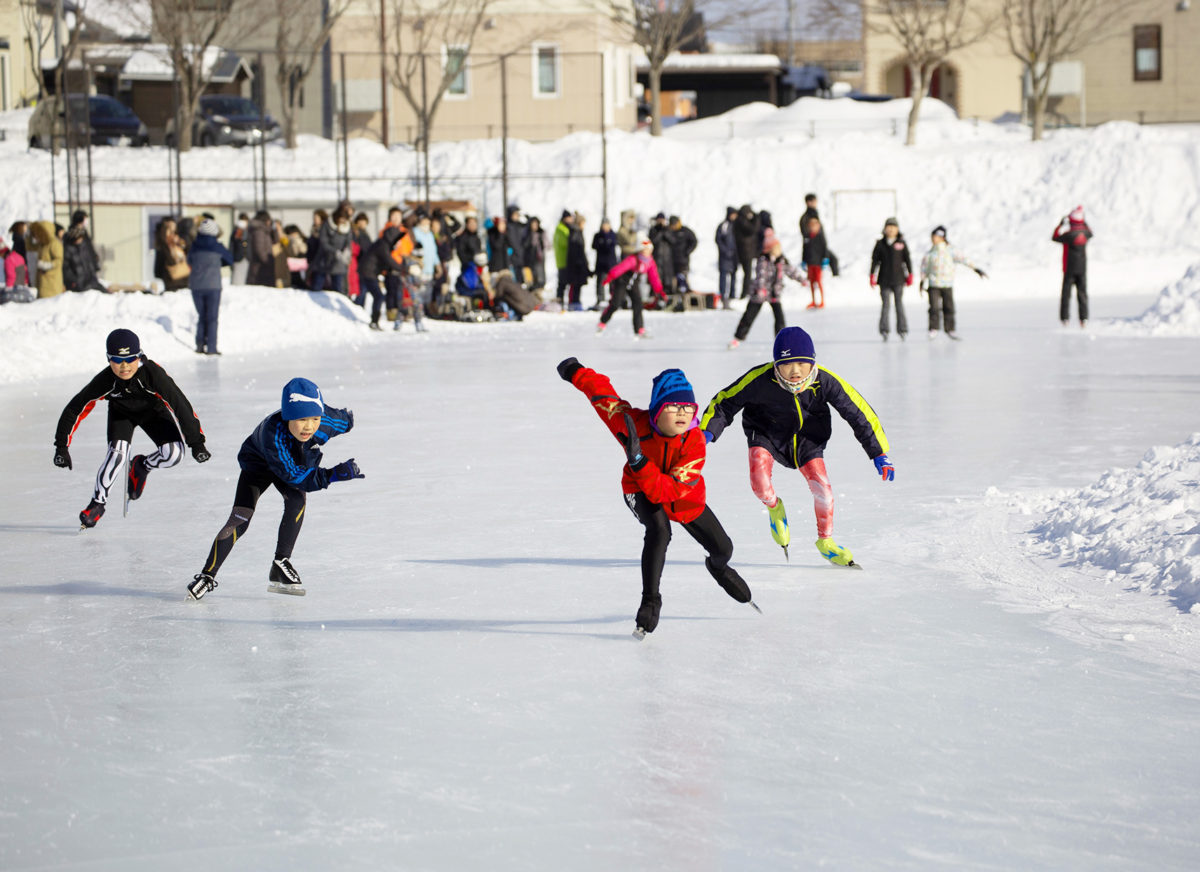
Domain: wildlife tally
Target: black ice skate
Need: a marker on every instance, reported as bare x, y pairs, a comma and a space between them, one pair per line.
284, 578
89, 516
137, 477
201, 584
647, 615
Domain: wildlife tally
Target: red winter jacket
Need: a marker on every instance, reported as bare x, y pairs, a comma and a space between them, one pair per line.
672, 477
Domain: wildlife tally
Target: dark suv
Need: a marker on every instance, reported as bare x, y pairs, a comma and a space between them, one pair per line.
112, 122
227, 119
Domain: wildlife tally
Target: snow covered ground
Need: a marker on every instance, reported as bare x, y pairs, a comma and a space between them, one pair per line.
1010, 683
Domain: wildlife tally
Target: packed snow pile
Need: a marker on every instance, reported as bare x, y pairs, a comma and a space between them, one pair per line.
1140, 525
1176, 312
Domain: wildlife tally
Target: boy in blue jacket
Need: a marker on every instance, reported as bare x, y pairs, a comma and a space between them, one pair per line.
283, 451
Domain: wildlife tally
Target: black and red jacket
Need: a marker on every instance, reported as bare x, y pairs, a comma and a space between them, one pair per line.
150, 389
672, 476
1074, 241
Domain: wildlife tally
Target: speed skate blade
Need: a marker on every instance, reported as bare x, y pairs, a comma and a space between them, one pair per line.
639, 634
290, 589
754, 606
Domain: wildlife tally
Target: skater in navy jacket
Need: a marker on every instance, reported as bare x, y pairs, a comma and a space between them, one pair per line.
283, 452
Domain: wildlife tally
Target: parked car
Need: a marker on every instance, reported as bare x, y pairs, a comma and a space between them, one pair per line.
112, 122
227, 119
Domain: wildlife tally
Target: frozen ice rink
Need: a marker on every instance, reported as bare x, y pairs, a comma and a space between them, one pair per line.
460, 690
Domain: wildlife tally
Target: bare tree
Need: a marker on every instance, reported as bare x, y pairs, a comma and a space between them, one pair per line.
188, 29
299, 37
1042, 33
422, 29
37, 38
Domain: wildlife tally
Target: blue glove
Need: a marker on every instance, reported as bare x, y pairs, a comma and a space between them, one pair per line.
884, 466
708, 437
345, 471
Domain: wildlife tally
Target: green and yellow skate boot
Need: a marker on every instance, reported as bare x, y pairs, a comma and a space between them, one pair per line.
779, 526
835, 553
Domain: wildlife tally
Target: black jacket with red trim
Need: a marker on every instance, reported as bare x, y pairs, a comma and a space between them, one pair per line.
1074, 239
149, 389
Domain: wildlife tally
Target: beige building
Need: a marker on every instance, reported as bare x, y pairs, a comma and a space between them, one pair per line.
548, 68
18, 43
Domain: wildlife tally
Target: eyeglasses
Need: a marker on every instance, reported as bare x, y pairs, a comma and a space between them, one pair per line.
123, 358
680, 408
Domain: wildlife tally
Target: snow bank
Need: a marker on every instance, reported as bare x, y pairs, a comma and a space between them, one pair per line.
1176, 312
1141, 526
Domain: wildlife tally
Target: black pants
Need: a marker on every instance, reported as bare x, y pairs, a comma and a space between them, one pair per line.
393, 290
744, 325
941, 308
885, 295
706, 530
747, 265
250, 487
370, 285
1079, 279
625, 285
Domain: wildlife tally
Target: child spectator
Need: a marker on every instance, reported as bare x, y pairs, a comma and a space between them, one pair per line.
170, 256
577, 263
604, 243
937, 278
726, 256
1073, 234
785, 405
81, 264
891, 271
629, 271
283, 452
749, 246
206, 258
769, 272
662, 479
814, 256
139, 394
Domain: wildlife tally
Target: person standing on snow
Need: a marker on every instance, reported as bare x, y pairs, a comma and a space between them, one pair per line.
661, 479
937, 279
785, 405
139, 394
604, 243
891, 271
562, 233
1073, 234
683, 243
746, 234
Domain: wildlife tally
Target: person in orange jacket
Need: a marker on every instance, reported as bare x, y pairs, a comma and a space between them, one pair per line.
662, 479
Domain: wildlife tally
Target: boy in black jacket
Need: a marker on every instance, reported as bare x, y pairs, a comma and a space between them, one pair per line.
891, 270
139, 394
283, 452
815, 252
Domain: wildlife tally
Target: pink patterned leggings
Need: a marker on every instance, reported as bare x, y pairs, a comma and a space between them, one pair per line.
761, 465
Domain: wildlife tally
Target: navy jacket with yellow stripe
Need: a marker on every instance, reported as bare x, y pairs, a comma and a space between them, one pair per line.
794, 427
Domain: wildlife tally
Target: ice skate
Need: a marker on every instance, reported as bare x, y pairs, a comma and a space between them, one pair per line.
647, 615
733, 343
203, 583
137, 476
779, 526
641, 334
284, 578
950, 334
836, 554
89, 516
600, 328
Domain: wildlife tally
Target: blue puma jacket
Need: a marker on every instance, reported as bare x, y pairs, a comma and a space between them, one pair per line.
272, 449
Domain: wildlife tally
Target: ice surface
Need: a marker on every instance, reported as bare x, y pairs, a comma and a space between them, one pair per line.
459, 689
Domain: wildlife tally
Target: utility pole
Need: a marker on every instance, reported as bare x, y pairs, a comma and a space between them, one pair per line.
791, 33
383, 69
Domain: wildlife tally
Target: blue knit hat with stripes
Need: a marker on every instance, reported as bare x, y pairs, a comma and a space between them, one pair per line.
670, 386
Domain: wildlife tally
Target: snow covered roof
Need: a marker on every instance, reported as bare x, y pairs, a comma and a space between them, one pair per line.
152, 63
702, 62
129, 19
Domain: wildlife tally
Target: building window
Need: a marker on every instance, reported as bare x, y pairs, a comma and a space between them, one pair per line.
1147, 53
545, 71
455, 59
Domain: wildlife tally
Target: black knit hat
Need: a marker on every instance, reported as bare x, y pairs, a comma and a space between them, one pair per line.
123, 343
78, 216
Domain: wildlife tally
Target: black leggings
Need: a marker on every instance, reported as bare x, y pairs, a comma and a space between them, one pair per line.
706, 530
744, 325
626, 284
250, 487
1079, 279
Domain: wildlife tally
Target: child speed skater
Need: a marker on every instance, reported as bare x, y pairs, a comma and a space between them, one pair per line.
139, 394
662, 479
283, 452
785, 406
632, 268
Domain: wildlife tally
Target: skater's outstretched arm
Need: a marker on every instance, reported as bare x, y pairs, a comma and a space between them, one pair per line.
600, 393
81, 405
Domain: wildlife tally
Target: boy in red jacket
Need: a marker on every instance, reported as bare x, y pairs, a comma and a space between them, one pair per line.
662, 480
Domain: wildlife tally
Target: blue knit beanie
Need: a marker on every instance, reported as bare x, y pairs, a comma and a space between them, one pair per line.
792, 343
301, 399
670, 386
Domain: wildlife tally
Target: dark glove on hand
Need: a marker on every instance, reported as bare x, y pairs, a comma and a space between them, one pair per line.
345, 471
200, 453
349, 420
980, 273
62, 457
568, 368
633, 445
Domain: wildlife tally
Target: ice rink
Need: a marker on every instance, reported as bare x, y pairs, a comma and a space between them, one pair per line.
460, 690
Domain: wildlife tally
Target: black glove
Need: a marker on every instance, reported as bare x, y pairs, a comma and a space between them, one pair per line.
980, 273
200, 453
345, 471
633, 445
568, 368
349, 420
62, 457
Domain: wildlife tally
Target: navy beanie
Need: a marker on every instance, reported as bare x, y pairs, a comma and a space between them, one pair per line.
670, 386
792, 343
301, 399
123, 343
